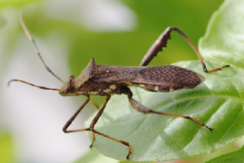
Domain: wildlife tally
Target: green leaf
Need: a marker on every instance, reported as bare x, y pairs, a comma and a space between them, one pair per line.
217, 102
232, 157
94, 156
224, 39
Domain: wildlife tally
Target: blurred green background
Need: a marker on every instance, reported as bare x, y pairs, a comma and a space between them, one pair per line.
69, 34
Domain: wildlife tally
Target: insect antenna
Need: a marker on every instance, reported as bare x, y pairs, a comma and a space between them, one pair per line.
33, 85
36, 49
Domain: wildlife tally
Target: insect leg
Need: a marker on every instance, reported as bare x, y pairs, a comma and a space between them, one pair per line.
69, 122
94, 104
92, 125
156, 47
162, 41
139, 107
94, 121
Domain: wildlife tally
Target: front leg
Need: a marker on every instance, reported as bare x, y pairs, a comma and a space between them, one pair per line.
92, 125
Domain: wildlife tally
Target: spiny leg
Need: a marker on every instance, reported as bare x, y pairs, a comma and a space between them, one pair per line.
92, 125
139, 107
162, 41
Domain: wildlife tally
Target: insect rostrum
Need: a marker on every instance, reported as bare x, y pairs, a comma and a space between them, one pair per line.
105, 80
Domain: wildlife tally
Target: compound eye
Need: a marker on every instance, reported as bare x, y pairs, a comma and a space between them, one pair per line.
67, 90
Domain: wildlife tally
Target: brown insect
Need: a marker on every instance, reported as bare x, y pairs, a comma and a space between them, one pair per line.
105, 80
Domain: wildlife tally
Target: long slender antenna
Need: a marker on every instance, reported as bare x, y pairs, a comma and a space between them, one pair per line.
36, 49
33, 85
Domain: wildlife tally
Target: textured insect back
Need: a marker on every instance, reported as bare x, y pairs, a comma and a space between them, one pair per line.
166, 78
181, 76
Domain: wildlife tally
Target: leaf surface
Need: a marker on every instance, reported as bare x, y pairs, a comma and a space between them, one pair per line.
232, 157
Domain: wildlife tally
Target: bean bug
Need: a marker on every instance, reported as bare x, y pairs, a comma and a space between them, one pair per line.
105, 80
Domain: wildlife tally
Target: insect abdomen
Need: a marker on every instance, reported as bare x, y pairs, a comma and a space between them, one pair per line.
166, 78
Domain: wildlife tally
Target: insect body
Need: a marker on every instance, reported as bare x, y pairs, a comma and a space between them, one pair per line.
105, 80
